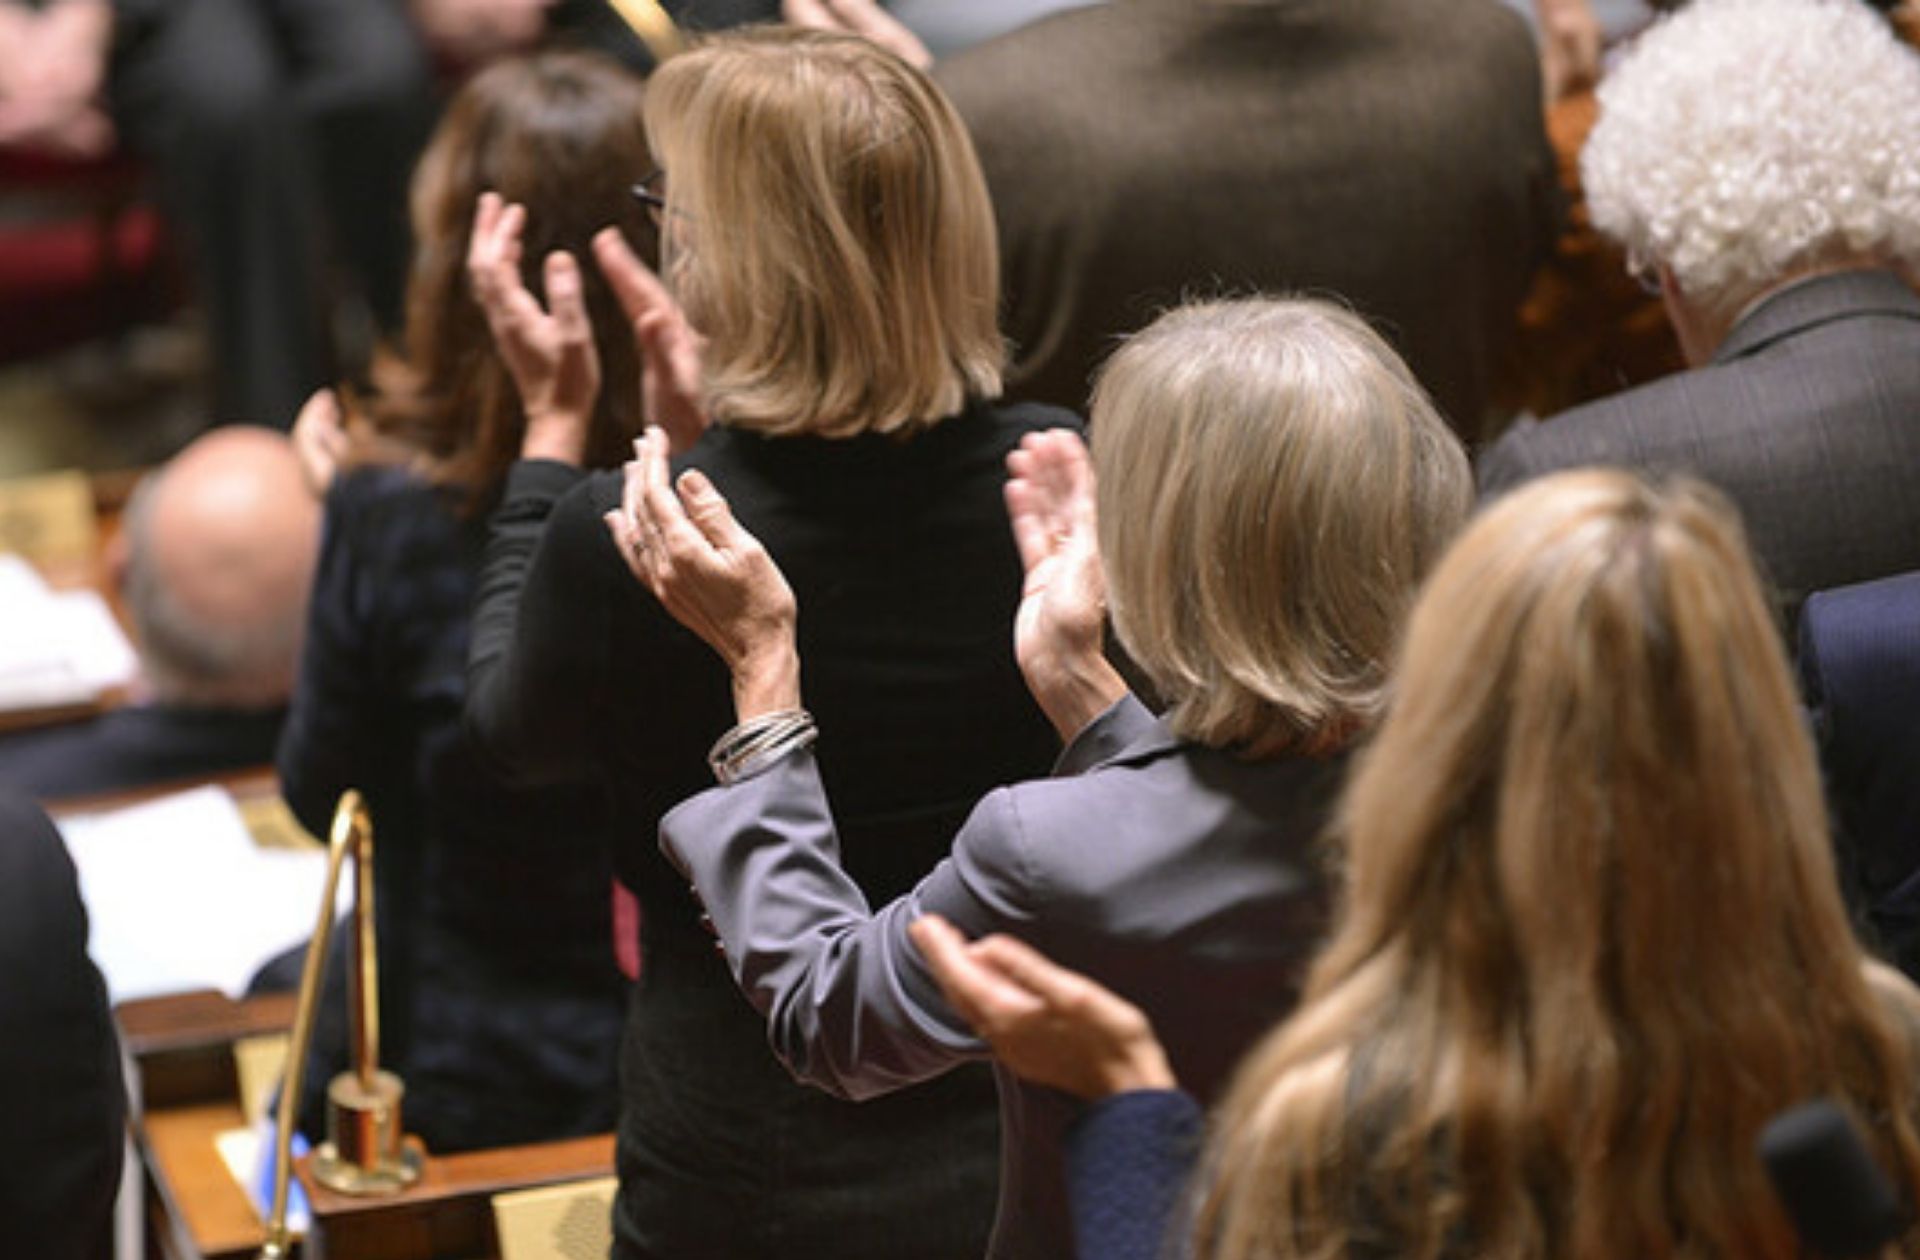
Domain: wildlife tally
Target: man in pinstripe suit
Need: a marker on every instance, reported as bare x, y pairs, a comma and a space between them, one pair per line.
1755, 157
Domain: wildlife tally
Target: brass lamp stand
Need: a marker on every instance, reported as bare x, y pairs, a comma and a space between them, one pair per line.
366, 1151
650, 22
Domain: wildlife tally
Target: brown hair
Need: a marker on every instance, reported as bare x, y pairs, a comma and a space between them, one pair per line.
563, 135
1591, 940
828, 231
1273, 485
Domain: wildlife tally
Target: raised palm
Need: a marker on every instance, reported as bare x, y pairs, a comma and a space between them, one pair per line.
1063, 601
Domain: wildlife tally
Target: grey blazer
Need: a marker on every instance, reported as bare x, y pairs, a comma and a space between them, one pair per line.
1808, 417
1181, 876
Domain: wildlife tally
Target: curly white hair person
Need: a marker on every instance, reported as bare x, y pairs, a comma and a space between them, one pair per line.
1743, 144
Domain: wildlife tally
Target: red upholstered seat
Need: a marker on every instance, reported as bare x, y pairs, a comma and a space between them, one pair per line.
81, 252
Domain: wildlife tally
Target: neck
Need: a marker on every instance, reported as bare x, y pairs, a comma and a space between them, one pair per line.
1702, 327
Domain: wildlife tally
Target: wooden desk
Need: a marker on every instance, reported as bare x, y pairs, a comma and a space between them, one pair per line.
448, 1215
182, 1050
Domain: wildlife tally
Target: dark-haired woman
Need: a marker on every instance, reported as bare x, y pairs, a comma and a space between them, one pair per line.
500, 998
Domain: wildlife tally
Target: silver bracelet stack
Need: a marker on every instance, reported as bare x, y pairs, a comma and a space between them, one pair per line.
755, 744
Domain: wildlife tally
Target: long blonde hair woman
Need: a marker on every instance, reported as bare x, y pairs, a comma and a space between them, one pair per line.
1592, 939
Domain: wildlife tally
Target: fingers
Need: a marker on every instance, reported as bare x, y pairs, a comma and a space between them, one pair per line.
647, 470
495, 242
566, 298
638, 290
1025, 512
977, 994
711, 514
493, 266
666, 528
633, 482
1081, 483
1026, 970
1049, 493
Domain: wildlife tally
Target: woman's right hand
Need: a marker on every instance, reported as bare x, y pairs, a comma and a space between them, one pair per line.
713, 576
1048, 1024
551, 356
1058, 629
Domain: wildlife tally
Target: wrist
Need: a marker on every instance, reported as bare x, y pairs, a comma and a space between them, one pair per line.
1143, 1067
1074, 689
767, 681
555, 436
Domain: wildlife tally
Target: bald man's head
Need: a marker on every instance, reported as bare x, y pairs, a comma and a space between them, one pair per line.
220, 552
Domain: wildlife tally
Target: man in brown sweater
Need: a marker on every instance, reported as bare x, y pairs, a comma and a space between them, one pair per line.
1390, 153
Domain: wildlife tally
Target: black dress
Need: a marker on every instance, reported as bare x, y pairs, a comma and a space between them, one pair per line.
500, 999
900, 554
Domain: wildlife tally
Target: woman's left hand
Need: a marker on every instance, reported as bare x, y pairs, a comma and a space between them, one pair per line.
712, 575
1048, 1024
671, 394
551, 356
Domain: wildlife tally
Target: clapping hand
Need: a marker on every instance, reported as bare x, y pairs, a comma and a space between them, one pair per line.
551, 356
670, 394
1058, 629
1048, 1024
714, 577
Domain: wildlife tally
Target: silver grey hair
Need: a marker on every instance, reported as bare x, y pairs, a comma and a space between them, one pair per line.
1743, 141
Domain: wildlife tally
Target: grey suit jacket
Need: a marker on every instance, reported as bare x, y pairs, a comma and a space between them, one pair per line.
1181, 876
1808, 418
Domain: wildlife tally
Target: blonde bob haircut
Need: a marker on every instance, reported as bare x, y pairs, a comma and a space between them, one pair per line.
828, 231
1273, 484
1591, 940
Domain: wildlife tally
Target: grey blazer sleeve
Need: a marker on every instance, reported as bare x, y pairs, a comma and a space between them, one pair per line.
850, 1006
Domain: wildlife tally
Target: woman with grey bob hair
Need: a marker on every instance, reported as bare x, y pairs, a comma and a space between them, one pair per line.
1272, 486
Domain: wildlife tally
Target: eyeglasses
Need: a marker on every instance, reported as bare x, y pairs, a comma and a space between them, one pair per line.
644, 193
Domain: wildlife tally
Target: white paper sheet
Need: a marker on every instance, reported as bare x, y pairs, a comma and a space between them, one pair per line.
180, 897
56, 647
